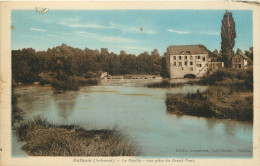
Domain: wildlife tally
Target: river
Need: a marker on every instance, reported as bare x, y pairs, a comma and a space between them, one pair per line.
140, 114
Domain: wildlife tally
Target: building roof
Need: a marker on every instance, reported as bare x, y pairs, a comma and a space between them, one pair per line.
244, 56
187, 49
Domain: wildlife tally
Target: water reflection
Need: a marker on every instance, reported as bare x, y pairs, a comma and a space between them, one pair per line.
32, 98
65, 103
211, 123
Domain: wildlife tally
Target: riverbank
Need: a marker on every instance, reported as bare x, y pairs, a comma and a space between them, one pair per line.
216, 102
229, 96
43, 139
81, 81
168, 84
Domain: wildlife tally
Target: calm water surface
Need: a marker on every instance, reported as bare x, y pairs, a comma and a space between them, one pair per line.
140, 114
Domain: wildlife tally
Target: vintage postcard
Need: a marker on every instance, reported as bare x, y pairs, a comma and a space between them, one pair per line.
129, 83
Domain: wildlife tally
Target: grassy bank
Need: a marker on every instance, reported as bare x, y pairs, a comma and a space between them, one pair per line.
217, 102
167, 84
229, 96
43, 139
69, 84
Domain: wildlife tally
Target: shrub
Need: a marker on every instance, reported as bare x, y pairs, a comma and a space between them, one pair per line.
237, 80
70, 84
91, 75
44, 81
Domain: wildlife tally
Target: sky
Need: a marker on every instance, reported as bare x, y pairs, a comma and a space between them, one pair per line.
134, 31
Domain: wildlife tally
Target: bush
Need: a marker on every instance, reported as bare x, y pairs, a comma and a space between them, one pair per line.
237, 80
62, 82
44, 81
68, 85
219, 76
91, 75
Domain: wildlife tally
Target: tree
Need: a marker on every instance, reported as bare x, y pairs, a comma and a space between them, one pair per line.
156, 62
239, 51
250, 53
228, 35
164, 72
215, 51
25, 66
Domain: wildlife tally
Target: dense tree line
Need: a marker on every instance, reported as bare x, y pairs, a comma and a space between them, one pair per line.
65, 61
25, 65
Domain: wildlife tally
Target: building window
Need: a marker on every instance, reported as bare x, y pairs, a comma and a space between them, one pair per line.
180, 64
186, 57
188, 52
182, 52
174, 57
186, 63
237, 60
198, 65
204, 59
240, 66
191, 63
191, 57
174, 63
179, 57
198, 57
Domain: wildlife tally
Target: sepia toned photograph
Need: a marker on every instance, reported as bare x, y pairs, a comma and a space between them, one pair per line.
171, 84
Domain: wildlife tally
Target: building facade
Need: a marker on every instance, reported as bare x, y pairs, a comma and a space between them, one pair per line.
239, 61
184, 60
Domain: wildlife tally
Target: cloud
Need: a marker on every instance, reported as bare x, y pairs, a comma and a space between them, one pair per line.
105, 38
214, 33
179, 32
37, 29
73, 25
131, 29
210, 33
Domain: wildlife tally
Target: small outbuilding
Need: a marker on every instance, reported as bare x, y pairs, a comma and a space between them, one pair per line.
239, 61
